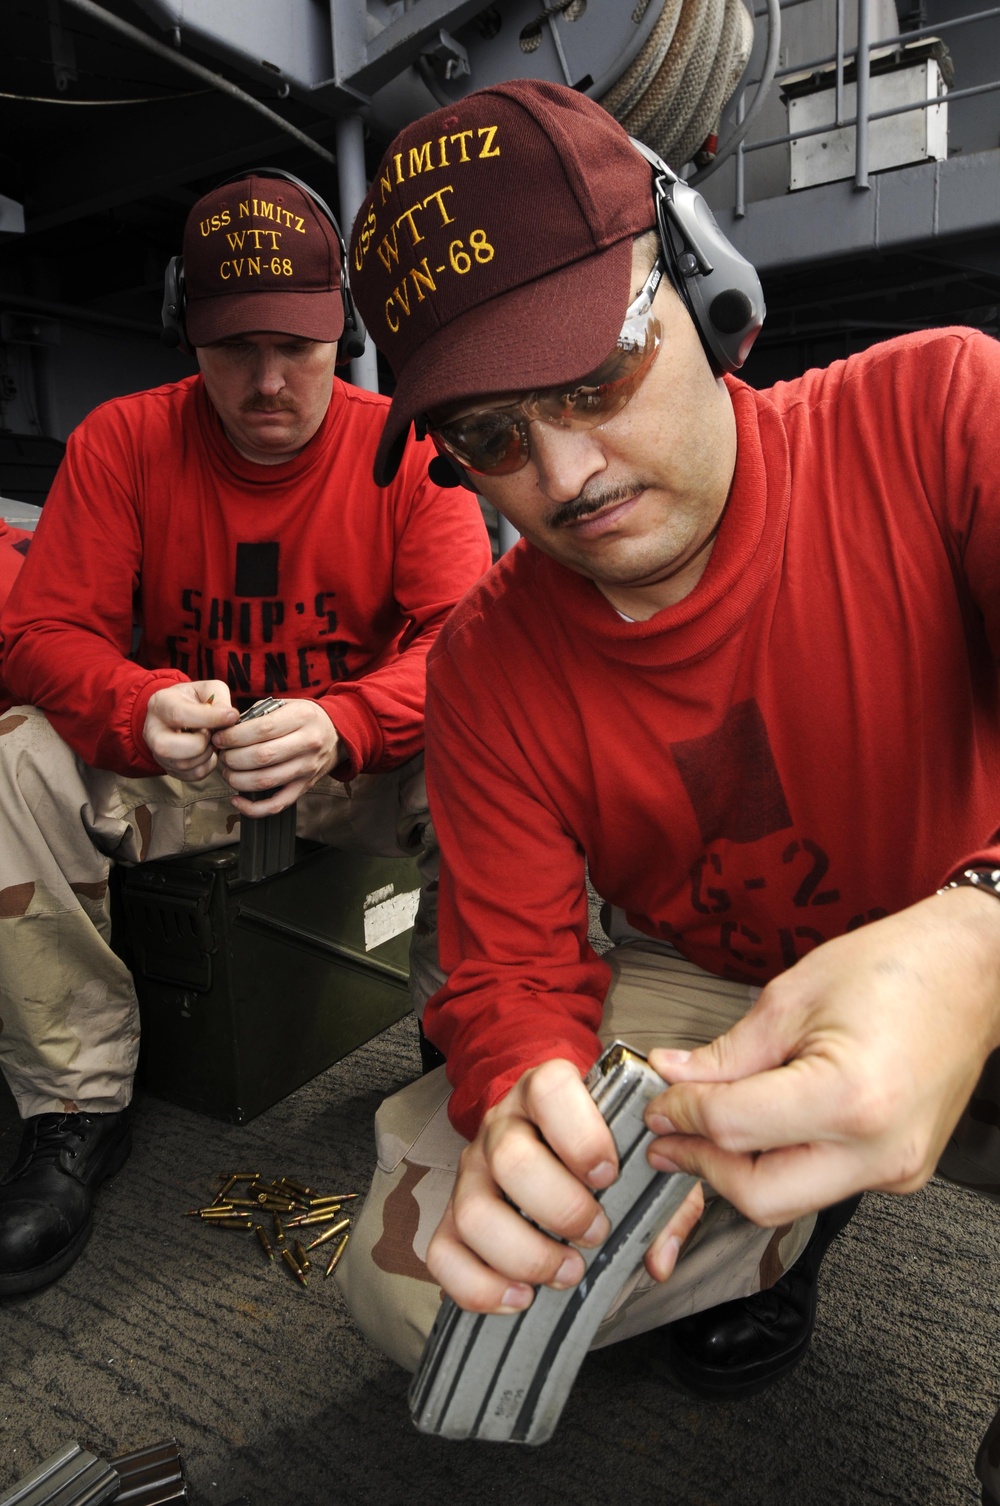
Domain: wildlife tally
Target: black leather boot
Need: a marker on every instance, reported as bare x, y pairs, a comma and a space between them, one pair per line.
742, 1346
988, 1464
430, 1056
47, 1196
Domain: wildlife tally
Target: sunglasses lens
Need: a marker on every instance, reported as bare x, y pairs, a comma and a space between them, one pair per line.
493, 442
604, 392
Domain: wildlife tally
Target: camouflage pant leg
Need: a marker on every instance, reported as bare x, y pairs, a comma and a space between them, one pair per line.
386, 815
654, 997
69, 1024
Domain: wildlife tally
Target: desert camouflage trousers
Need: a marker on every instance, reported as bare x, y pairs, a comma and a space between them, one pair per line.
655, 997
69, 1019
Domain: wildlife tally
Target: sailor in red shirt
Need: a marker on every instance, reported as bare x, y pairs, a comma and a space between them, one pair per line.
231, 518
742, 665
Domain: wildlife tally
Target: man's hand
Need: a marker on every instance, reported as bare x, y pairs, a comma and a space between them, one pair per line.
546, 1148
180, 720
284, 751
849, 1072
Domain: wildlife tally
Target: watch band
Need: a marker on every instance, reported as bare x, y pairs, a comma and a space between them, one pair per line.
987, 879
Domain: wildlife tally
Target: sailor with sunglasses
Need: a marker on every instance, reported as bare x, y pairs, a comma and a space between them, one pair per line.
741, 668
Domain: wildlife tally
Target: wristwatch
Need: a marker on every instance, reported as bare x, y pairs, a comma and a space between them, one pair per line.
987, 879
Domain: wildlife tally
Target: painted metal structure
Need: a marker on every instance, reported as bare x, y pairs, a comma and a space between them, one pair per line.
118, 114
877, 250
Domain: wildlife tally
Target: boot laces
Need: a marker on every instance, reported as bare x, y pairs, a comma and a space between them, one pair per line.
53, 1131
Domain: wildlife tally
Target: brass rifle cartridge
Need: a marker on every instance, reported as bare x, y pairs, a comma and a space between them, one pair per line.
228, 1184
297, 1188
245, 1202
343, 1197
274, 1192
305, 1264
342, 1223
315, 1203
264, 1242
321, 1216
279, 1229
294, 1267
215, 1210
261, 708
335, 1257
231, 1222
234, 1180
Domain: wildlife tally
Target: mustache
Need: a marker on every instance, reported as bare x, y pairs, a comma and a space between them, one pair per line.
589, 502
276, 405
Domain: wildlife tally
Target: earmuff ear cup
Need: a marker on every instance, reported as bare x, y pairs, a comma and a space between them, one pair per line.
731, 311
719, 286
352, 341
172, 311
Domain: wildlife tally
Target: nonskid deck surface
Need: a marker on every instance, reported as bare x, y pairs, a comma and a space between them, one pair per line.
165, 1328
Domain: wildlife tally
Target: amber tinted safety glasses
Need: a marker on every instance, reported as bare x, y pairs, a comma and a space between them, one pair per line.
495, 441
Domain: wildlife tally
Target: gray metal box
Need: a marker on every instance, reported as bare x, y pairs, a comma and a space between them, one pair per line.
918, 135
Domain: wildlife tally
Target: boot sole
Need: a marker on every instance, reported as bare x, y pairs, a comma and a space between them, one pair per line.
16, 1283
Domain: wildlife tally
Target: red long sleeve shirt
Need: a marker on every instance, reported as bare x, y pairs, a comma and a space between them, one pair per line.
298, 579
14, 545
808, 741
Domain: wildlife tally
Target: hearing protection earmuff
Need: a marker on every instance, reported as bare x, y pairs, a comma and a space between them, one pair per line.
352, 341
720, 288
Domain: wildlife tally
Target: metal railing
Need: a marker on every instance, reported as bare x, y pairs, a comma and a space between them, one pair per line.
840, 58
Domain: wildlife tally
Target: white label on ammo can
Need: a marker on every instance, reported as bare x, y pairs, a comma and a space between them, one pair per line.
388, 914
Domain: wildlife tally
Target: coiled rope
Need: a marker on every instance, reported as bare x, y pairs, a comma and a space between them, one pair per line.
672, 94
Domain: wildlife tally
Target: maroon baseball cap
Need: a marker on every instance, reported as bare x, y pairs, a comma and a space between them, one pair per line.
493, 252
259, 254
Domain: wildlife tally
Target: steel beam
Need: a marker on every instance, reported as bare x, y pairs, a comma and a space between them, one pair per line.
353, 183
397, 46
97, 170
906, 207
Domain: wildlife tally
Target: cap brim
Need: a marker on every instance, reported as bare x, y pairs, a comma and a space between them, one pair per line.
551, 330
310, 316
